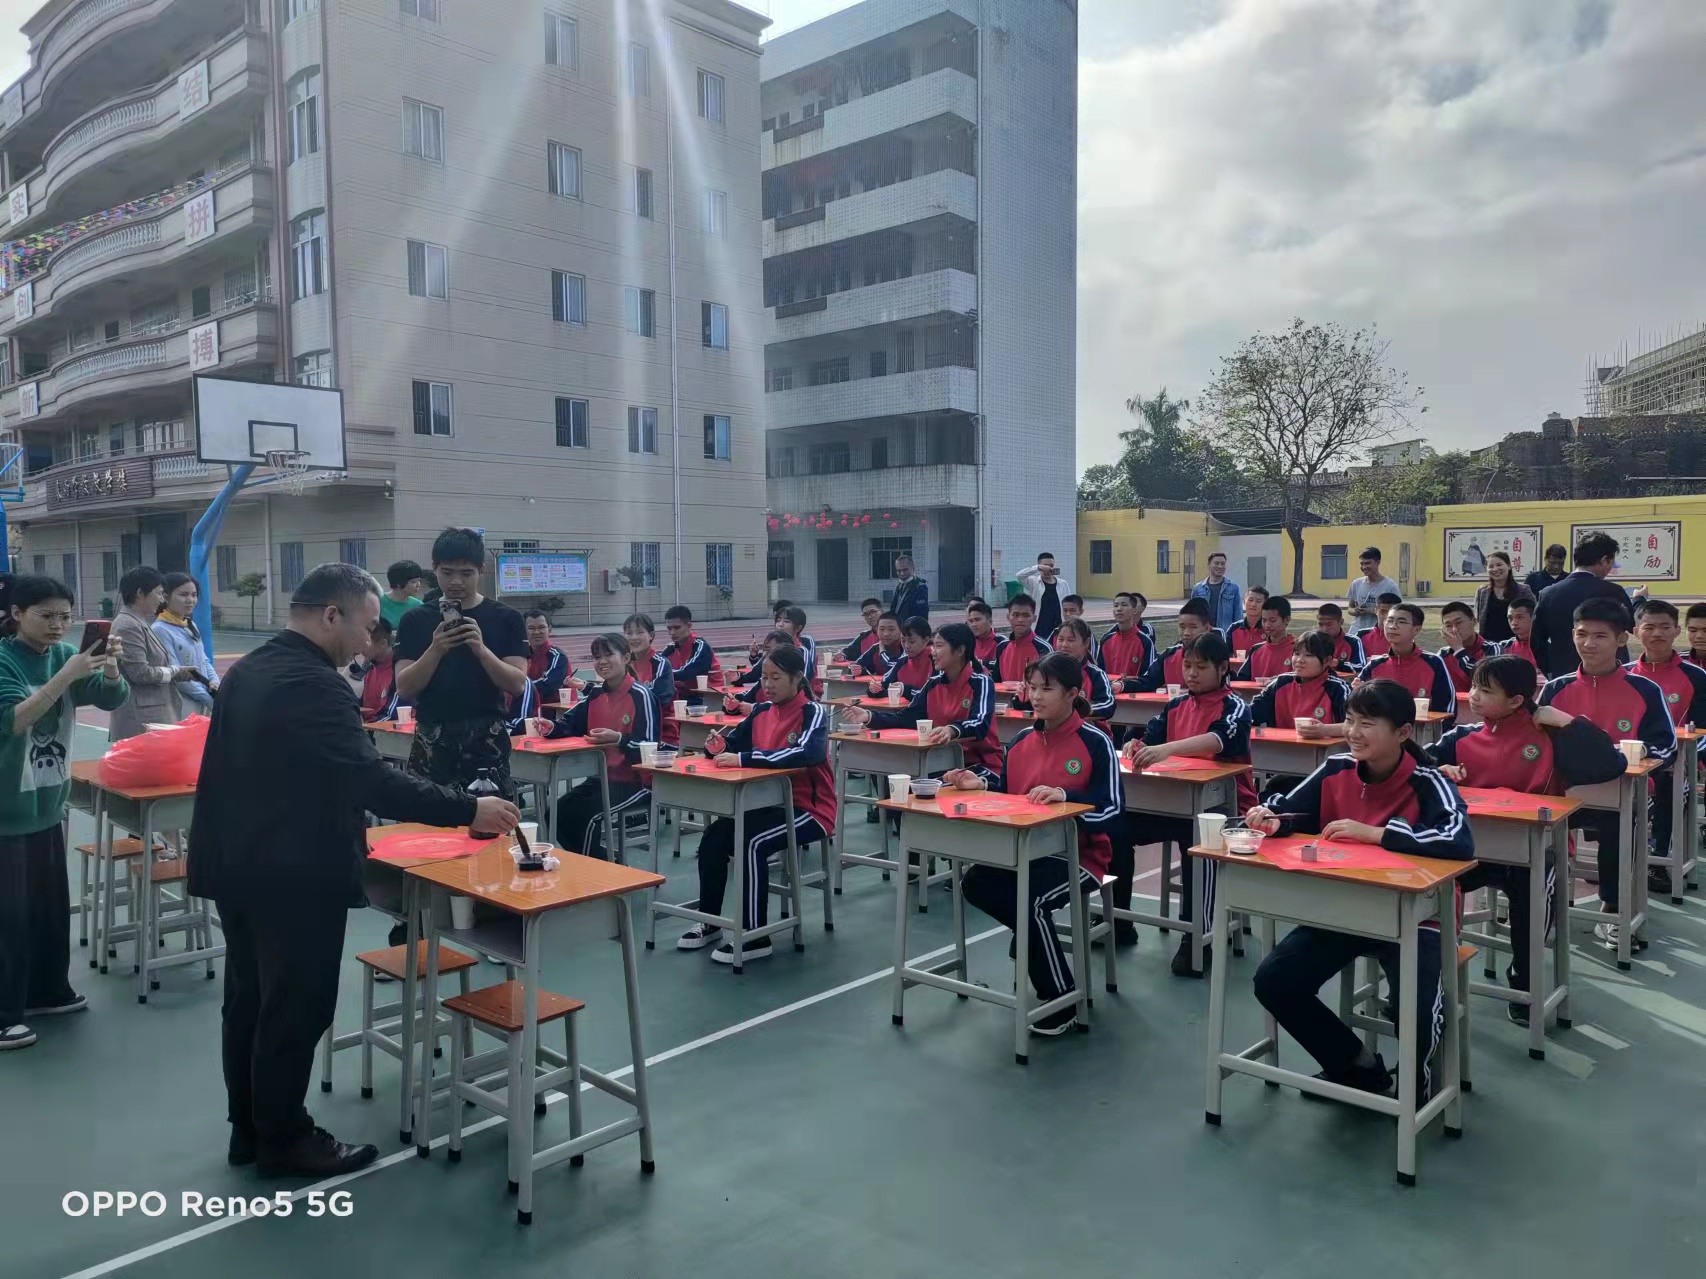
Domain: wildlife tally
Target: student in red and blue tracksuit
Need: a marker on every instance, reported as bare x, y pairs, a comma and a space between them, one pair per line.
1061, 759
1126, 651
1167, 666
1209, 721
753, 691
1348, 654
871, 610
1310, 691
1382, 792
1405, 664
1015, 654
653, 670
1073, 638
617, 714
881, 657
1245, 635
1520, 615
1374, 641
689, 656
1658, 626
915, 667
1467, 648
1272, 657
981, 619
958, 699
1518, 745
791, 730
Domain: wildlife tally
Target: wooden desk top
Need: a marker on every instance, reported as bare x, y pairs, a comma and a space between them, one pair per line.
869, 703
1155, 699
491, 877
698, 767
1044, 814
1422, 875
1247, 687
88, 771
554, 745
713, 719
1684, 731
1292, 736
1646, 768
909, 740
391, 726
1514, 806
1210, 771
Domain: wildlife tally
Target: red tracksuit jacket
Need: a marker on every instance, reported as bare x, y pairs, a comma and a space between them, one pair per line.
965, 704
659, 677
1222, 713
1516, 648
1623, 705
1424, 674
379, 692
1288, 699
1243, 636
627, 708
911, 673
877, 660
1683, 685
1268, 659
1374, 645
1013, 656
690, 659
1460, 663
984, 649
1517, 753
794, 734
1080, 759
1126, 654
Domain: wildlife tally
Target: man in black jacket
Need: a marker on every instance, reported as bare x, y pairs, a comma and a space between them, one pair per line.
278, 839
1553, 640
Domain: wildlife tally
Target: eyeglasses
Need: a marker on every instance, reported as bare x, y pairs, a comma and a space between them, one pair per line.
64, 619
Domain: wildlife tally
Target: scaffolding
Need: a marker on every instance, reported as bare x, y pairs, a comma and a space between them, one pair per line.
1669, 378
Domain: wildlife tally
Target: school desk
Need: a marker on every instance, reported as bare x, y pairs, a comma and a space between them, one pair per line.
1627, 797
1011, 839
879, 755
548, 762
393, 740
1680, 861
1387, 904
1134, 710
836, 687
1281, 751
696, 730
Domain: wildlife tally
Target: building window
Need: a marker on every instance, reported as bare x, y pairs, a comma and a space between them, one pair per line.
880, 453
302, 128
307, 256
716, 437
353, 550
109, 568
432, 408
201, 301
1335, 563
312, 369
572, 429
904, 360
423, 126
1101, 555
425, 10
780, 565
5, 362
562, 41
714, 216
829, 459
780, 461
240, 290
779, 379
294, 9
68, 570
711, 96
224, 568
563, 170
129, 552
1163, 556
828, 372
642, 430
640, 308
38, 565
568, 298
719, 564
637, 72
714, 325
645, 556
879, 363
429, 270
637, 192
290, 565
884, 552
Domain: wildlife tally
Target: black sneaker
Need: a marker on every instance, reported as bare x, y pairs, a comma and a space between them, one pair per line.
1056, 1023
1182, 960
240, 1152
70, 1002
760, 949
1125, 933
19, 1036
698, 937
316, 1154
398, 935
1518, 1013
1375, 1079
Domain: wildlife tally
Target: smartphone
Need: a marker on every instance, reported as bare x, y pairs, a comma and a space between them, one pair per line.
449, 610
95, 632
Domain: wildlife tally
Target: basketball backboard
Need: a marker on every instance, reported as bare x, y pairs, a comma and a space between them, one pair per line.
242, 423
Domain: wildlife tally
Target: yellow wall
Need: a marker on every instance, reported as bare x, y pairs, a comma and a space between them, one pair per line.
1392, 539
1134, 535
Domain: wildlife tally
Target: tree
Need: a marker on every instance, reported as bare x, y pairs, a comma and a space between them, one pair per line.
1164, 460
1295, 404
1374, 493
251, 586
1105, 486
633, 577
551, 605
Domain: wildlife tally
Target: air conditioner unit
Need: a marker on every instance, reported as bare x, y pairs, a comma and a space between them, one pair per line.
1424, 588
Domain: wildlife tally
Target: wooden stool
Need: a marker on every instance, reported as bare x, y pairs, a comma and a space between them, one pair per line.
381, 1022
152, 922
1354, 992
89, 881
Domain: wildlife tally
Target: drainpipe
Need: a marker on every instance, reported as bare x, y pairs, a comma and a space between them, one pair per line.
674, 330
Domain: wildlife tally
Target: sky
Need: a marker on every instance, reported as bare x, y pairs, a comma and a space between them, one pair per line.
1510, 190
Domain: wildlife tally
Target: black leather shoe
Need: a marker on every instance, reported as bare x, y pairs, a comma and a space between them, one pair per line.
316, 1154
241, 1152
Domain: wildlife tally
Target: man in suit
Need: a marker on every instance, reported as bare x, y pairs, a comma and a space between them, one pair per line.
278, 843
911, 592
1553, 638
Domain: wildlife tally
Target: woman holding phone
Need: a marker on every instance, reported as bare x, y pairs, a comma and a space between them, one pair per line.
176, 630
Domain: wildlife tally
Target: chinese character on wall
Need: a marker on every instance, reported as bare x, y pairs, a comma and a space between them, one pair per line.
192, 89
204, 346
198, 218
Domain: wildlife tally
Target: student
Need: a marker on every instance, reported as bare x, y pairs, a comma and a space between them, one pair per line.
1168, 666
1074, 639
1125, 650
43, 680
1695, 620
1520, 746
377, 671
1044, 584
1374, 642
406, 579
958, 699
871, 609
913, 671
547, 671
147, 667
789, 730
617, 714
1060, 759
880, 658
1404, 662
652, 668
737, 703
1348, 655
1625, 706
176, 630
1022, 645
793, 620
1521, 618
1208, 721
1540, 579
1071, 609
1310, 691
1467, 649
1272, 657
755, 649
1553, 637
1366, 591
1382, 792
1139, 606
1245, 635
1684, 687
981, 619
689, 656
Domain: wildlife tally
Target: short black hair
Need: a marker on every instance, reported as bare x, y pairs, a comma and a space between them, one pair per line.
1594, 548
678, 613
780, 607
1210, 646
175, 580
642, 621
1510, 675
1332, 610
1021, 600
1263, 591
1044, 555
1125, 595
26, 590
1217, 555
382, 629
1277, 604
956, 635
919, 627
774, 638
1696, 612
1557, 551
1139, 598
795, 614
887, 616
1317, 644
1411, 611
532, 613
610, 644
459, 546
139, 581
1196, 607
1370, 553
1073, 599
868, 602
333, 586
1389, 598
1664, 607
1601, 609
1524, 602
402, 573
1455, 606
979, 606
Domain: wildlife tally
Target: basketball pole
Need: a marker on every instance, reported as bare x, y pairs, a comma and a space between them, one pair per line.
202, 540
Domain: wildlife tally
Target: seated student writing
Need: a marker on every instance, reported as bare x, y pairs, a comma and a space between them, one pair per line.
1467, 649
1695, 621
1382, 792
982, 622
1684, 687
1060, 759
1074, 639
1519, 745
377, 671
1520, 615
879, 659
1271, 657
1348, 655
653, 670
1168, 665
1374, 642
617, 714
1126, 651
957, 698
1209, 721
914, 668
738, 703
1405, 663
871, 609
789, 730
1245, 635
1022, 645
1626, 706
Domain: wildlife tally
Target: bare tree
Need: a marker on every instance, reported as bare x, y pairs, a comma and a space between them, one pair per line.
1295, 404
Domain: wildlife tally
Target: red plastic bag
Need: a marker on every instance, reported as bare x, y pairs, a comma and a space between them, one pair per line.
160, 757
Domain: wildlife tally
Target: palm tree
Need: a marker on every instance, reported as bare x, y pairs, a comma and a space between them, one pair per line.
1158, 414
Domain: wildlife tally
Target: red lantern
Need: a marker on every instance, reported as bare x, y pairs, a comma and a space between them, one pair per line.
894, 523
885, 515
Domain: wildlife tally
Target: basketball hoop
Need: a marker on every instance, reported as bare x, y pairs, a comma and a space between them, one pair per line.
290, 467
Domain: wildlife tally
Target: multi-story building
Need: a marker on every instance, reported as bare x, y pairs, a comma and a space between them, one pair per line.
521, 236
919, 241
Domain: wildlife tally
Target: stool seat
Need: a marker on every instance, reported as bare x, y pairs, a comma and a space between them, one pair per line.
163, 872
121, 848
502, 1007
1465, 953
390, 960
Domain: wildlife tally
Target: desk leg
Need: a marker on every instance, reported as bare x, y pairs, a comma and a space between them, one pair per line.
1642, 822
652, 893
1539, 988
142, 905
636, 1046
1080, 934
1449, 1056
103, 884
1022, 957
840, 825
898, 1013
1625, 874
1270, 1027
429, 1029
1407, 1046
1681, 770
795, 897
1561, 894
522, 1084
411, 989
1693, 811
737, 880
612, 836
1217, 1011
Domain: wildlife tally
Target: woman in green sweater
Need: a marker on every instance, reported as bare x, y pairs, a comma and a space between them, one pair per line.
43, 681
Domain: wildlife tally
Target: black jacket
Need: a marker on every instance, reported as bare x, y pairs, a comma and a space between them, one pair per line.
287, 780
1555, 619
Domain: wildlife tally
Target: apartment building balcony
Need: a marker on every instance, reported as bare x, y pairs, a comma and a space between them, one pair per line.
919, 391
940, 94
118, 481
139, 141
911, 487
916, 297
917, 203
149, 252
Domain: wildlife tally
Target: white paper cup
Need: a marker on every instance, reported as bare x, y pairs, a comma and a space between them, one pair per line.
895, 693
1175, 690
680, 707
926, 727
900, 785
1302, 722
1211, 828
703, 683
1423, 707
461, 912
648, 752
405, 714
1633, 748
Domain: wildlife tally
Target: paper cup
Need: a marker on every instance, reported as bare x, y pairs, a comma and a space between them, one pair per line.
900, 785
461, 912
405, 714
1633, 748
1175, 690
531, 831
1302, 722
680, 707
926, 727
895, 693
1211, 829
1423, 707
703, 683
648, 752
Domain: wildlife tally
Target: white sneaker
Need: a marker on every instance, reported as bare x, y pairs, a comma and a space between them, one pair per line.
76, 1004
760, 949
1608, 933
16, 1037
698, 937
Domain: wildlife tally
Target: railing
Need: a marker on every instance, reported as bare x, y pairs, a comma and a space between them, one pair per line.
122, 359
79, 20
786, 310
112, 244
126, 115
181, 466
177, 444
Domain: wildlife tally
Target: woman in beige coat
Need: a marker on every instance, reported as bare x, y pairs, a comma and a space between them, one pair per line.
146, 665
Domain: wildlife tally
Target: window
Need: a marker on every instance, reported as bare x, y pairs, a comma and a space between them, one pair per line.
716, 437
879, 363
290, 565
240, 287
714, 325
563, 170
562, 41
307, 256
637, 72
68, 570
1101, 555
719, 564
294, 9
779, 379
109, 568
568, 298
884, 552
353, 550
129, 552
714, 215
880, 453
302, 126
642, 430
432, 408
1335, 563
224, 568
423, 125
903, 352
572, 429
637, 192
312, 369
1163, 557
201, 301
425, 10
781, 461
429, 270
39, 566
780, 565
640, 307
829, 459
645, 556
711, 96
5, 362
827, 372
520, 545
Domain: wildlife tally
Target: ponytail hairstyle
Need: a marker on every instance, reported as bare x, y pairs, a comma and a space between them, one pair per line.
1063, 672
1389, 700
1318, 644
791, 660
1508, 675
1211, 647
956, 635
25, 590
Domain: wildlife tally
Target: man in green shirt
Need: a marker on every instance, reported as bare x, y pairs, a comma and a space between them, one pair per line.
407, 580
43, 681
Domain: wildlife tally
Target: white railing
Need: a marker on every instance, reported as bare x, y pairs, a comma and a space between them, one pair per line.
121, 359
111, 244
80, 19
181, 466
174, 439
127, 115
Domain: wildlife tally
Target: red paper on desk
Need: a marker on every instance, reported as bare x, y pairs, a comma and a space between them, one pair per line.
1287, 854
897, 734
982, 803
436, 846
1180, 764
554, 745
1501, 801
